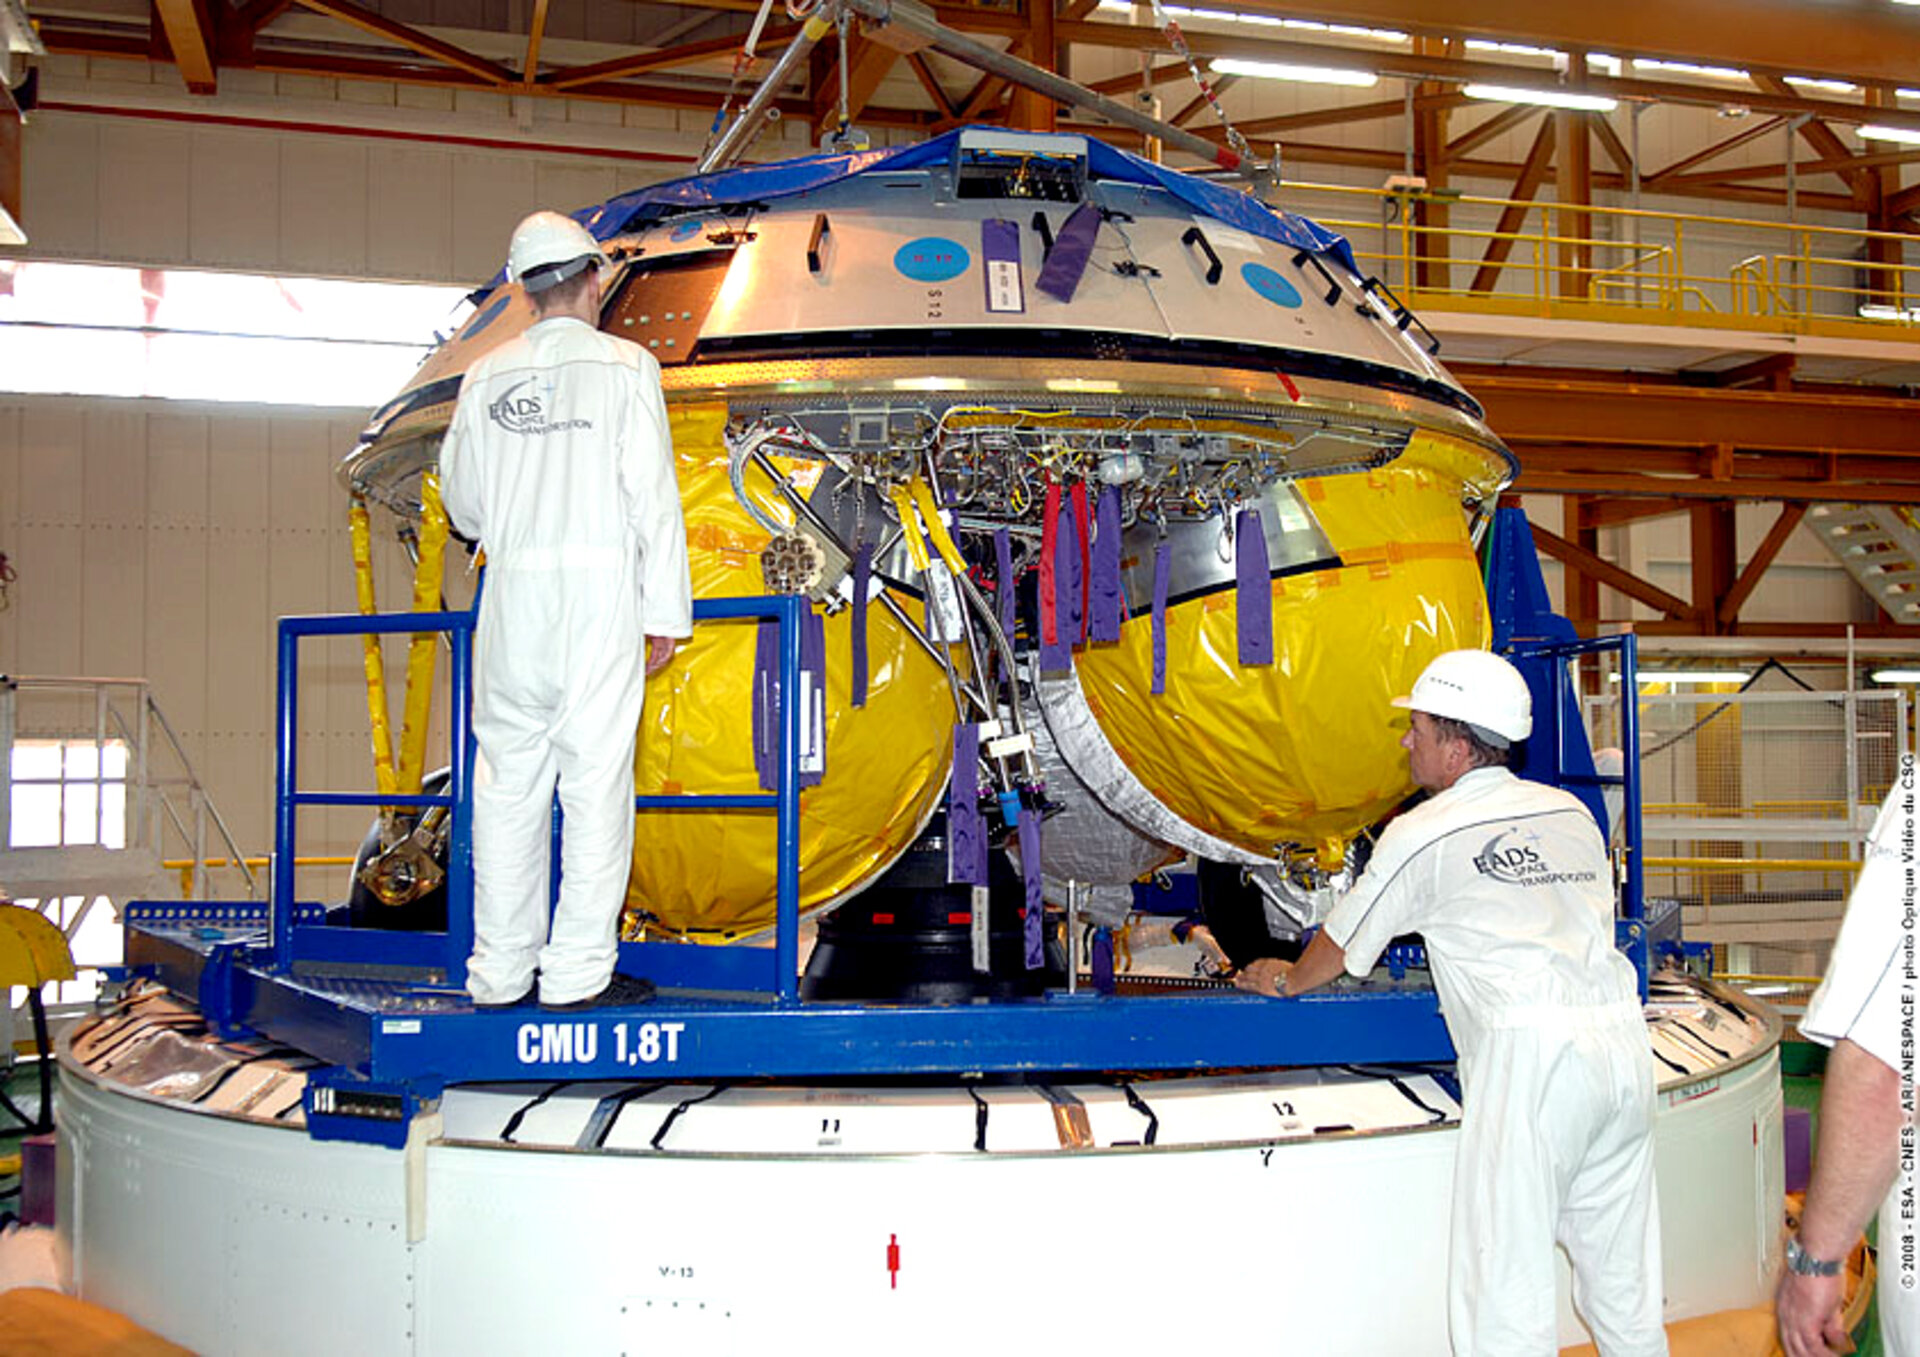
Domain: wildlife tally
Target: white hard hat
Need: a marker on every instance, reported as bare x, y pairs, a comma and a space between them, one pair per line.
1478, 687
547, 249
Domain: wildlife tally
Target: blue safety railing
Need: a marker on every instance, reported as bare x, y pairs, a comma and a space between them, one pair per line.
755, 971
1559, 735
747, 970
295, 942
1541, 642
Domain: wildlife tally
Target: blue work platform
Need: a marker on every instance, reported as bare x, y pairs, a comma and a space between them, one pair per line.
388, 1013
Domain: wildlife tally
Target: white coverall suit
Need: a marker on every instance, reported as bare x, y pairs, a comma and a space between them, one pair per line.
560, 461
1860, 1001
1508, 881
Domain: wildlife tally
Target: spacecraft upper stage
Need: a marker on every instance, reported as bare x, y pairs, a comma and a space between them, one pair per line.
1127, 451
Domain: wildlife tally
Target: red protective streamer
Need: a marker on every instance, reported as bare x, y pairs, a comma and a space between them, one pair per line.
1049, 530
1083, 526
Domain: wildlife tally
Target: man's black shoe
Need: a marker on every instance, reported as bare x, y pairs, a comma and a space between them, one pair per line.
622, 991
522, 1002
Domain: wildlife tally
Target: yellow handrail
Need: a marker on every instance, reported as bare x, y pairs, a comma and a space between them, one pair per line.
1798, 277
1751, 864
186, 866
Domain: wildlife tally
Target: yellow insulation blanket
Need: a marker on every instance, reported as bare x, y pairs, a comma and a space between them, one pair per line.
710, 874
1306, 749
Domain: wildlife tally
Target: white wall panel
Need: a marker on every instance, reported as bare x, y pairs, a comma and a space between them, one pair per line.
145, 170
234, 197
323, 205
482, 104
51, 465
60, 184
113, 602
427, 98
179, 576
48, 548
113, 599
237, 759
490, 194
301, 494
114, 466
568, 184
367, 93
409, 212
181, 591
48, 598
177, 471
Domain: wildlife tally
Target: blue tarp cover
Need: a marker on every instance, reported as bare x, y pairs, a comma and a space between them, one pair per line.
780, 179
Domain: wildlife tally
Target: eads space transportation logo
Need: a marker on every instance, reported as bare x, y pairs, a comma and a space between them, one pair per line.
521, 409
1519, 858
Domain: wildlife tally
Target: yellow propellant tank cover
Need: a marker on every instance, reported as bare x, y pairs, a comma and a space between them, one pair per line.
710, 874
1307, 749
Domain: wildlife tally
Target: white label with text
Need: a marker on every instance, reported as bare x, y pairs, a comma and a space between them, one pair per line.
582, 1043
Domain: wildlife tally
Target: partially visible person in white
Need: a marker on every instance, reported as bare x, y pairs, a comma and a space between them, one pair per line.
1510, 885
559, 461
1864, 1011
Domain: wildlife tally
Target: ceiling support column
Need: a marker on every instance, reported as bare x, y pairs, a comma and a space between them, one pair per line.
1573, 178
1582, 589
1716, 564
1432, 215
1885, 286
1031, 110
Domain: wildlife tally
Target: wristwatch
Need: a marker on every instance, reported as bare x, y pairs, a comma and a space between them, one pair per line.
1804, 1263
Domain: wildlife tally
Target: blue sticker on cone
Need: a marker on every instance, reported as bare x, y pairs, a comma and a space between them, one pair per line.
1270, 285
932, 259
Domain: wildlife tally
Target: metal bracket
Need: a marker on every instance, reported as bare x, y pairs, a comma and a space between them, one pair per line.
341, 1105
226, 989
1630, 936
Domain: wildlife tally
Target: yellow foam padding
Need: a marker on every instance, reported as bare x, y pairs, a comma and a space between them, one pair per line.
36, 1320
425, 644
361, 533
711, 873
33, 950
1306, 749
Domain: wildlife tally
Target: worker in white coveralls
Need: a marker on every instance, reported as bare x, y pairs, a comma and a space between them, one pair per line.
1864, 1010
1509, 883
560, 463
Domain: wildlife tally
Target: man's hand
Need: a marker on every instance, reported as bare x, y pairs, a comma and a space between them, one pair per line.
1857, 1159
1808, 1309
1263, 976
659, 653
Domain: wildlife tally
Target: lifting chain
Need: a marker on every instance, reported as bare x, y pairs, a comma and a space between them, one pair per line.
1177, 40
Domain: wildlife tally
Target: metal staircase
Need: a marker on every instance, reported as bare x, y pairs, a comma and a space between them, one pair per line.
96, 792
1879, 545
